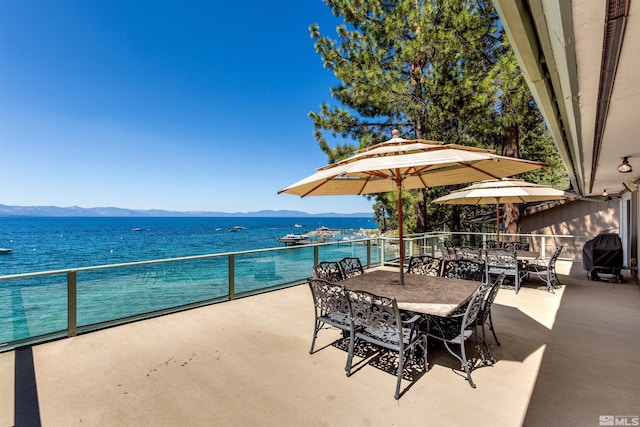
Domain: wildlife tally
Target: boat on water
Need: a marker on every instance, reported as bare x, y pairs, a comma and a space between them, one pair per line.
5, 251
136, 229
324, 228
297, 226
295, 239
236, 229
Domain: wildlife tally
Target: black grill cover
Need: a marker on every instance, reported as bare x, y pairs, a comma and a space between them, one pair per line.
604, 250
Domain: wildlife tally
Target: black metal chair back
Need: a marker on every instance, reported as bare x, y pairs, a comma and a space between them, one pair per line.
328, 270
464, 269
331, 306
351, 266
515, 246
490, 244
470, 254
377, 320
425, 265
502, 261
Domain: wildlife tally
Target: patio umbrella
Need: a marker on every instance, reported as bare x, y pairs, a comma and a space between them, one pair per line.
399, 164
505, 190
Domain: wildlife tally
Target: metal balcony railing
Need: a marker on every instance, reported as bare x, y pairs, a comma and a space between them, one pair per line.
40, 306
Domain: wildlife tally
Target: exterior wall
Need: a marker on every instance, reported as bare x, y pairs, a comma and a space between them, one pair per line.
579, 218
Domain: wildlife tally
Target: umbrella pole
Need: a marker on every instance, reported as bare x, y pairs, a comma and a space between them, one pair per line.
498, 222
400, 232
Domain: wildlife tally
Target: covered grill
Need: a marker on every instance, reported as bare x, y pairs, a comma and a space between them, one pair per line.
603, 254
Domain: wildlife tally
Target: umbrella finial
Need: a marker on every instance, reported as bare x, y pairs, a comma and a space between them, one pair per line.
394, 133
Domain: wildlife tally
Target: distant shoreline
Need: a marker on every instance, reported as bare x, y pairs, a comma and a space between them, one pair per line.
76, 211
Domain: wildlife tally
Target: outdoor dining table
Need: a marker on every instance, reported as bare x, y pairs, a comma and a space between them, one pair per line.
438, 296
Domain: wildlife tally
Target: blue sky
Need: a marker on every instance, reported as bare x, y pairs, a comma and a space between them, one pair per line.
178, 105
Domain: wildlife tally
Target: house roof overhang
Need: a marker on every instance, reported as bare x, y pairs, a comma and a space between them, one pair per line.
580, 61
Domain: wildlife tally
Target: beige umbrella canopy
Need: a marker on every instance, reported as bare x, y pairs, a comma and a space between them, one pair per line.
506, 190
407, 164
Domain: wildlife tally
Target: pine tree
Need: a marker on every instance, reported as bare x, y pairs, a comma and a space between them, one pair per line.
521, 127
431, 69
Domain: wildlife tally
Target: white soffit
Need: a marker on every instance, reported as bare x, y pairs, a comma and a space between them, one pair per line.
542, 43
588, 27
567, 37
622, 130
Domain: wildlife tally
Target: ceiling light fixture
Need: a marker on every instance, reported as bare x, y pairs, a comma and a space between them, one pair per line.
604, 193
625, 167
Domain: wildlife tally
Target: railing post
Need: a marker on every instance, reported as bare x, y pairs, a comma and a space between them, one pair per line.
72, 306
543, 249
232, 277
382, 244
316, 257
369, 253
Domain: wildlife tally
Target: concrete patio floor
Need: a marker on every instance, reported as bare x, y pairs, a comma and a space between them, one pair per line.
566, 359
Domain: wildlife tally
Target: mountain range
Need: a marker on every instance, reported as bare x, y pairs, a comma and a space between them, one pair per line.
55, 211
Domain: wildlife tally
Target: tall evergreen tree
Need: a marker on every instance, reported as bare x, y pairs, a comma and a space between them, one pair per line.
520, 126
426, 67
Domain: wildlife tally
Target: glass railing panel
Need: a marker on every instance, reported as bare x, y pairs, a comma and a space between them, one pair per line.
423, 245
256, 271
115, 293
32, 307
376, 253
346, 249
36, 307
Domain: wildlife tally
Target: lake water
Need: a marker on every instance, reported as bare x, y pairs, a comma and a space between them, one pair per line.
37, 306
41, 244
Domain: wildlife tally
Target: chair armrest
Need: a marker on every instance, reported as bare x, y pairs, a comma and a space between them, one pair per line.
413, 319
445, 328
537, 265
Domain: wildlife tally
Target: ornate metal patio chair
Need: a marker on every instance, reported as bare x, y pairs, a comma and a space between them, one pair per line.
447, 249
328, 270
515, 246
490, 244
377, 320
523, 246
425, 265
351, 266
331, 307
470, 254
464, 269
458, 328
501, 261
485, 310
547, 272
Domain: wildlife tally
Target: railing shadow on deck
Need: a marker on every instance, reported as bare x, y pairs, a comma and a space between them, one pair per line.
26, 405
